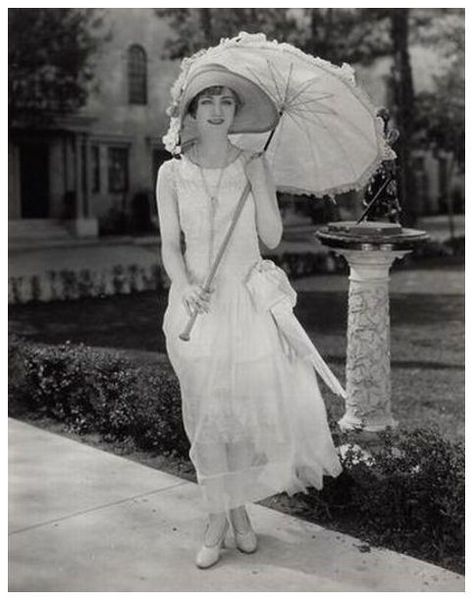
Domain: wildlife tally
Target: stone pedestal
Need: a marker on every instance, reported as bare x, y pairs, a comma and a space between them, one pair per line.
368, 377
370, 249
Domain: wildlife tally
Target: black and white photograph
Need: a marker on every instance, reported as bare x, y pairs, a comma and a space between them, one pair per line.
236, 299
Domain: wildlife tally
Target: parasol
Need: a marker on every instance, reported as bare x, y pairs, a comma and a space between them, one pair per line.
329, 139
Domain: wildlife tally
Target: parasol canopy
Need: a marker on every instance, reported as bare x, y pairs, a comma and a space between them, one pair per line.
329, 138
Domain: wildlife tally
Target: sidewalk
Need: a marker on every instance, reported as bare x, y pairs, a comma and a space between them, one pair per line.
81, 519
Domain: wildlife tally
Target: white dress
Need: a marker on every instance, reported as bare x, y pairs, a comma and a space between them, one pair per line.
252, 409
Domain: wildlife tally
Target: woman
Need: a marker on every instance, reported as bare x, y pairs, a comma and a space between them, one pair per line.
251, 409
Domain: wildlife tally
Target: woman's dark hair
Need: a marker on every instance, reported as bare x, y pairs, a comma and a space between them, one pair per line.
215, 90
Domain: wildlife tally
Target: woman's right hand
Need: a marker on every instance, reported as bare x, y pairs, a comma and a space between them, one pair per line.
195, 299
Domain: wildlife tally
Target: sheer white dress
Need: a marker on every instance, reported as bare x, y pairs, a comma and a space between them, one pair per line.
252, 410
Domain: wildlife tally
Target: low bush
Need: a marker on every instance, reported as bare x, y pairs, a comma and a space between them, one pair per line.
97, 391
407, 494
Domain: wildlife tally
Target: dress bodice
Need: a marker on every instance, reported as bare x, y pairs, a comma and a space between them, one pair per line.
205, 223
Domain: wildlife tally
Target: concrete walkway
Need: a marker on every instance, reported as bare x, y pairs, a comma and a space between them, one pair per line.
83, 520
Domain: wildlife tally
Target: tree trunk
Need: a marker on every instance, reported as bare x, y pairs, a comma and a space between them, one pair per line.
205, 20
404, 111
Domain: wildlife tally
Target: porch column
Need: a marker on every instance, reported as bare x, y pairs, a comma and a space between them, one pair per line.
84, 225
78, 177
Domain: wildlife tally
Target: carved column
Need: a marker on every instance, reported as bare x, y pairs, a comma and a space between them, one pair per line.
368, 370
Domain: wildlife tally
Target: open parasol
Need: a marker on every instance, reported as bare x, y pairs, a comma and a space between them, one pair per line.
329, 139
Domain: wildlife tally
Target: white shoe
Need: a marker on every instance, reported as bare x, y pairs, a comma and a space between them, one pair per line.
209, 555
246, 540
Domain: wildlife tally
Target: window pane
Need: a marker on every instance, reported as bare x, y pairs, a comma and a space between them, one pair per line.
118, 169
137, 76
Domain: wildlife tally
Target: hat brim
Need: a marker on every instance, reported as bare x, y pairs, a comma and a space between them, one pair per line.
256, 114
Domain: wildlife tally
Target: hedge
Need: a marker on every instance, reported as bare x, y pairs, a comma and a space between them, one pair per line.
408, 496
91, 390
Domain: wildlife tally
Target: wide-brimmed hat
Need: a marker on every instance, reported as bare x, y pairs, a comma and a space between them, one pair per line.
257, 113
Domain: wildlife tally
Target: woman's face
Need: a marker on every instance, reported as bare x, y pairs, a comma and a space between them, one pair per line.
215, 113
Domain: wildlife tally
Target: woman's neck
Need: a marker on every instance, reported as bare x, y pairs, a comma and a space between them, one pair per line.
212, 152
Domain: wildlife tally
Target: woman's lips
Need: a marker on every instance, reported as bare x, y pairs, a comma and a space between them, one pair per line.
216, 121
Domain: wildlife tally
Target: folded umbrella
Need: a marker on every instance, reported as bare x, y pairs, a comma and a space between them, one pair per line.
270, 290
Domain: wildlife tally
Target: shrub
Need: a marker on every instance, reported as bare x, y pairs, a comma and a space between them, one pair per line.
98, 391
410, 496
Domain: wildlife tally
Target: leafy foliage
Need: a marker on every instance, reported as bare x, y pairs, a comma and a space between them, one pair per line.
197, 28
440, 115
410, 496
94, 391
337, 35
49, 54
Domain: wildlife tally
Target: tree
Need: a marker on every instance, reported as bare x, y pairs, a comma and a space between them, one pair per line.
198, 28
49, 54
440, 118
350, 35
404, 109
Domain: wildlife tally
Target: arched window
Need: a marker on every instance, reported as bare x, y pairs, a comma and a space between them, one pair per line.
137, 75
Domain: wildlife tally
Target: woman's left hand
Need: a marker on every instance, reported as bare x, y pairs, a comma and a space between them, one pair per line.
254, 168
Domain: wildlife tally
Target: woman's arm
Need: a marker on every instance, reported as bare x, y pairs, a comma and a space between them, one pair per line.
194, 298
169, 227
268, 217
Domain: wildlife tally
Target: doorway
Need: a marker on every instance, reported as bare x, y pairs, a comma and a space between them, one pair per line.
34, 177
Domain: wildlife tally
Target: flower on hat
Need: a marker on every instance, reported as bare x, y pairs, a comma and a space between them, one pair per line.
171, 139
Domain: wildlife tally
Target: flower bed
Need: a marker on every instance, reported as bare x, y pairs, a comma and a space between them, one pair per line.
72, 285
408, 496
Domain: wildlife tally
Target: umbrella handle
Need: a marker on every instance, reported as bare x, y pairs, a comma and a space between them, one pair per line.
185, 335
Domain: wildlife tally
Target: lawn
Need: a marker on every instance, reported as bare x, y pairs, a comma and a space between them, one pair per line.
427, 342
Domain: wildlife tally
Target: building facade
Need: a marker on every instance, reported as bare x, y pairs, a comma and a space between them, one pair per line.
96, 170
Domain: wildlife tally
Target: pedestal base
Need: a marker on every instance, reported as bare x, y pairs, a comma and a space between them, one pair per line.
350, 422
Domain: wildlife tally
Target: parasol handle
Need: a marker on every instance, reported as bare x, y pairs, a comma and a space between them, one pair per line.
185, 335
270, 136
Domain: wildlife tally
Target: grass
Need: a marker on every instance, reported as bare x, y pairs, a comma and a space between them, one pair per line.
427, 342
